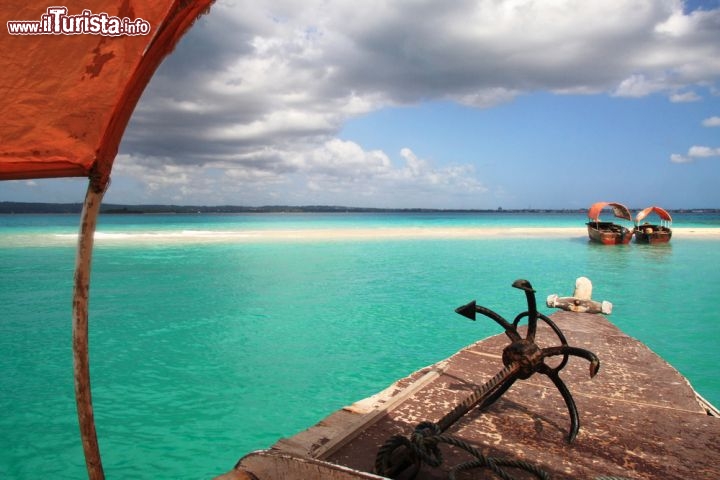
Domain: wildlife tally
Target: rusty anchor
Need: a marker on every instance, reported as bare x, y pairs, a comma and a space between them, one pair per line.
521, 359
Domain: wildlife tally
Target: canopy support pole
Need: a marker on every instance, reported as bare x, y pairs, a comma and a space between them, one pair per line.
81, 362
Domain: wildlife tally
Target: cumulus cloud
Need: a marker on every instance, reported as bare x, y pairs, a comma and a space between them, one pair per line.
711, 122
335, 172
679, 158
259, 91
695, 152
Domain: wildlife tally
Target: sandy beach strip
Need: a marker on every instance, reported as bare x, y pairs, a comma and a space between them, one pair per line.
444, 233
380, 233
336, 234
696, 232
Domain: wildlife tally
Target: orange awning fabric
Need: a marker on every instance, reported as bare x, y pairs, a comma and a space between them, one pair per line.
619, 210
65, 99
661, 212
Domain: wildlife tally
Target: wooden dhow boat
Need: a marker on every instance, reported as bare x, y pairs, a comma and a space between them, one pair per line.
609, 233
650, 232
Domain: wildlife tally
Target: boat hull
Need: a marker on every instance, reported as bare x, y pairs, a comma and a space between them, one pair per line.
652, 234
608, 233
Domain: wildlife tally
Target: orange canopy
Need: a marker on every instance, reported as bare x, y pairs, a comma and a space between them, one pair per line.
662, 213
65, 99
619, 210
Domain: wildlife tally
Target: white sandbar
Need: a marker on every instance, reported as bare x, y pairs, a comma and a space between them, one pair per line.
161, 237
382, 233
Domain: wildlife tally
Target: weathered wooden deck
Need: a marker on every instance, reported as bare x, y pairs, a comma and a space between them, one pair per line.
640, 419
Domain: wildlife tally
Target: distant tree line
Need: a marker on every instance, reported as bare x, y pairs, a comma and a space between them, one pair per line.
76, 208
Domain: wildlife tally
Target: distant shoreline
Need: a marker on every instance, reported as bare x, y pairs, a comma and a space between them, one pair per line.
123, 209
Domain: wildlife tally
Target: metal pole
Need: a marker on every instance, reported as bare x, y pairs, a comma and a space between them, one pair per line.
81, 362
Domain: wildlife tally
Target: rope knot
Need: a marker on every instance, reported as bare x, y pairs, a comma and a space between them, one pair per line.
425, 443
400, 453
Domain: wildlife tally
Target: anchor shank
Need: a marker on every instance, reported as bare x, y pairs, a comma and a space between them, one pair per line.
478, 395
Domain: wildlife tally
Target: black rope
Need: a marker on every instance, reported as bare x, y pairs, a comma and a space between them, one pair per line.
422, 447
492, 463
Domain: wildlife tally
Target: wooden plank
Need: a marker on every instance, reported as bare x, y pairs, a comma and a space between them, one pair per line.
273, 464
334, 432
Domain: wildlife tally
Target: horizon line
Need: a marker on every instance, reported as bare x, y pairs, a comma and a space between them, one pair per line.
9, 207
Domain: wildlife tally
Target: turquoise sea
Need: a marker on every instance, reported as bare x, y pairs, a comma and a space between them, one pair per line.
206, 345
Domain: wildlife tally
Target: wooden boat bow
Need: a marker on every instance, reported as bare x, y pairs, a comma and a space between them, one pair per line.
641, 417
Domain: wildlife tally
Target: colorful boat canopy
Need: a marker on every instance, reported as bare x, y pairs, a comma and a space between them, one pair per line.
619, 210
662, 213
70, 78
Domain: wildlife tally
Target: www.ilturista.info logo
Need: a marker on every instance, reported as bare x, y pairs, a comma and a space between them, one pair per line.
57, 22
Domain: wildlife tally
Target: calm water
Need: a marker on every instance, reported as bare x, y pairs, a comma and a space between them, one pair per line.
203, 352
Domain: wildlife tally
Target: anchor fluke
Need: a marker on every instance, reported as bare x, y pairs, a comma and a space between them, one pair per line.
467, 310
523, 284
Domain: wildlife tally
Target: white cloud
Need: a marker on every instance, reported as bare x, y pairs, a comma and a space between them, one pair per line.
711, 122
685, 97
694, 152
703, 152
413, 165
339, 172
639, 86
678, 158
343, 158
259, 91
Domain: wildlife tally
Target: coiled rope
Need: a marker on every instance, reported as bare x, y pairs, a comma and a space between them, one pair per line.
422, 447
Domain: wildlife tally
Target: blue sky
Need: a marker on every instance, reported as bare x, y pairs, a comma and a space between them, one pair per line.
562, 151
419, 103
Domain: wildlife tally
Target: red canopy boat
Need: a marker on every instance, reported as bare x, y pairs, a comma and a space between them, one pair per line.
609, 233
653, 233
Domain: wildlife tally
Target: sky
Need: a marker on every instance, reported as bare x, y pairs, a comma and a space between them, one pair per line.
470, 104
